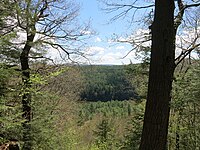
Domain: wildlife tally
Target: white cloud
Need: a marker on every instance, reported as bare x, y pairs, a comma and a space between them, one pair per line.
115, 58
186, 40
113, 54
98, 39
95, 50
110, 41
86, 32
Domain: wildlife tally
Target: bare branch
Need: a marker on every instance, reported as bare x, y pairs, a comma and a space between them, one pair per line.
179, 17
192, 5
182, 8
186, 53
52, 23
124, 8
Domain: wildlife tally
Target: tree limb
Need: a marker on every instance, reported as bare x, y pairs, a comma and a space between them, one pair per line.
186, 53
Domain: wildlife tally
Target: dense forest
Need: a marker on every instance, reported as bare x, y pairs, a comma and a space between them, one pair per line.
106, 83
49, 105
64, 119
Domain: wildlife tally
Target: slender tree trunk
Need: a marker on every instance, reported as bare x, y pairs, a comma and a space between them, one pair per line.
26, 98
156, 119
178, 132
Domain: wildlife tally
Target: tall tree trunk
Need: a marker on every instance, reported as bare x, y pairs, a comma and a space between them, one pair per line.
178, 132
26, 98
156, 119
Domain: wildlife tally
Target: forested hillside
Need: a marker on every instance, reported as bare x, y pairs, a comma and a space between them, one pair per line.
106, 83
95, 123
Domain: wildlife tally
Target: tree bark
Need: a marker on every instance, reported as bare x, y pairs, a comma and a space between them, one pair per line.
26, 97
156, 119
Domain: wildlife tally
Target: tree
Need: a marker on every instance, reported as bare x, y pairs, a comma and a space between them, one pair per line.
10, 114
7, 54
184, 123
155, 128
45, 24
162, 65
103, 135
134, 129
106, 83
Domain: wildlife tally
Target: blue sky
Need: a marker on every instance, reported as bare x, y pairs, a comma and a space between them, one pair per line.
100, 47
99, 19
102, 50
105, 52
